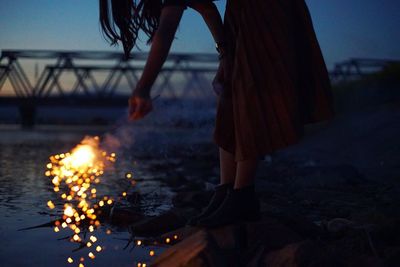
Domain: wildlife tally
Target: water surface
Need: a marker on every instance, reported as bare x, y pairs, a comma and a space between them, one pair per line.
24, 191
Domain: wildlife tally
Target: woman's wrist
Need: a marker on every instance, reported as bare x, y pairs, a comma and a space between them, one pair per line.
141, 91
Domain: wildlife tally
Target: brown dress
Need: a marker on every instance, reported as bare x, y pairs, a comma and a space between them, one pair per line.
278, 79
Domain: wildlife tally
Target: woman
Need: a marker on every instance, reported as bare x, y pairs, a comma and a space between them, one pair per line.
273, 76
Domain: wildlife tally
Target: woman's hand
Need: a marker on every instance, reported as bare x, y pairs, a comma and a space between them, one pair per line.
139, 106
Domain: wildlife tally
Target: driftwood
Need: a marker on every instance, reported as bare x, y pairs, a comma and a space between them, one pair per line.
233, 245
270, 242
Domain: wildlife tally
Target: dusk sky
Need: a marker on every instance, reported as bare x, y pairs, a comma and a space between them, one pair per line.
354, 28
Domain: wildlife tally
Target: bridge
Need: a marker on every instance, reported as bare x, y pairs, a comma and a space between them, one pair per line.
86, 66
84, 70
357, 68
192, 72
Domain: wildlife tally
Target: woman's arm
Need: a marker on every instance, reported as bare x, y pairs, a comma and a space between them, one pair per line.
212, 17
161, 44
140, 102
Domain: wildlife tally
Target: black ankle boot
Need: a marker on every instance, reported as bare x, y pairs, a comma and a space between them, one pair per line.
240, 205
216, 200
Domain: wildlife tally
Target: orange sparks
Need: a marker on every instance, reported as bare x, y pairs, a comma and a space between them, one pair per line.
69, 211
73, 176
50, 204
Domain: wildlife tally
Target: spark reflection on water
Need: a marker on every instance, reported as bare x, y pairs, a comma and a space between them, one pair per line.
25, 191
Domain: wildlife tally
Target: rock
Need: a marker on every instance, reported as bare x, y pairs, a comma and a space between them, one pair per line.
366, 261
155, 226
304, 253
302, 226
335, 176
338, 225
387, 233
134, 198
122, 216
271, 233
176, 179
309, 174
193, 199
392, 257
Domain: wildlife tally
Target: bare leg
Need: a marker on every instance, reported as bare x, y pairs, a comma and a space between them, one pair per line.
227, 180
245, 173
227, 167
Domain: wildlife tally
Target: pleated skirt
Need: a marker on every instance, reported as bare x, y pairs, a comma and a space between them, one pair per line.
277, 79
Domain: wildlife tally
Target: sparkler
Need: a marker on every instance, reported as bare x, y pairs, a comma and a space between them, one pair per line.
74, 176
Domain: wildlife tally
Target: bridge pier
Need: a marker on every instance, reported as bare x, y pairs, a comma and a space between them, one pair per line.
27, 112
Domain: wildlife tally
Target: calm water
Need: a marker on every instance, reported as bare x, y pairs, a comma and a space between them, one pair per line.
24, 191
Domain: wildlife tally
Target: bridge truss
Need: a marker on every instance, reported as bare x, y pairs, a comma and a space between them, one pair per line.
195, 71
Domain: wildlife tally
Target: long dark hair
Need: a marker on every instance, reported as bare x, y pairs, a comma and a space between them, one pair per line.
130, 16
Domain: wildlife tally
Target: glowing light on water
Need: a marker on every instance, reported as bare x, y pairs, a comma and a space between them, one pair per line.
50, 204
69, 211
74, 176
